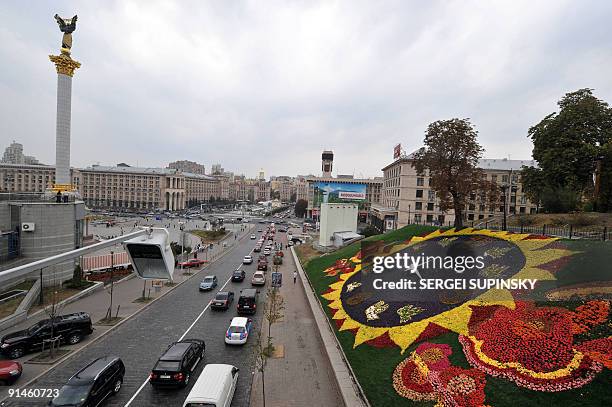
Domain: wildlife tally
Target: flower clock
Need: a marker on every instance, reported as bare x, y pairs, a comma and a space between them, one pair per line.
400, 317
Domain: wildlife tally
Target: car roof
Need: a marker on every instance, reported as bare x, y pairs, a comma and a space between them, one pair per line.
90, 372
239, 321
205, 277
248, 292
209, 386
223, 293
175, 351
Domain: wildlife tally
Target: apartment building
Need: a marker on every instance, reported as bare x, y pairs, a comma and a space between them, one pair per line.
408, 198
30, 178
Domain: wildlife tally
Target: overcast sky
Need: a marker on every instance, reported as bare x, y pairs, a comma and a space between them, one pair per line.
266, 84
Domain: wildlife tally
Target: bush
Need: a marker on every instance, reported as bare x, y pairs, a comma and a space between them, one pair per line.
526, 220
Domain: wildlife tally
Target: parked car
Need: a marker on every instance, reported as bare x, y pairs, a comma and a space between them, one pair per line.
91, 385
238, 331
10, 371
253, 237
208, 283
258, 278
191, 263
267, 251
71, 328
222, 300
257, 249
215, 386
247, 260
262, 265
175, 365
247, 302
238, 275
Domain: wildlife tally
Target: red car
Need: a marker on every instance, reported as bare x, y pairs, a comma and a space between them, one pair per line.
191, 263
10, 371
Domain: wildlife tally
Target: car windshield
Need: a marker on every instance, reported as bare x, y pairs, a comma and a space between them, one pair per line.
171, 365
237, 271
236, 329
34, 328
221, 296
70, 394
208, 280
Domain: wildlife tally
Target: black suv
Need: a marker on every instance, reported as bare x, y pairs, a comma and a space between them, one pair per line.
71, 329
247, 302
174, 367
91, 385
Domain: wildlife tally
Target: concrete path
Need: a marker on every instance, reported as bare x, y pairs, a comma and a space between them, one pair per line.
303, 375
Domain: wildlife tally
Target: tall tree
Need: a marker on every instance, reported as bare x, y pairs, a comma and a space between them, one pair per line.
450, 155
300, 208
566, 146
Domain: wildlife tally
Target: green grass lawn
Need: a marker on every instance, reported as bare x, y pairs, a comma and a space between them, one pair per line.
374, 366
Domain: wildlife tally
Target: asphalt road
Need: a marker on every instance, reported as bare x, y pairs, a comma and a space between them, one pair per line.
141, 340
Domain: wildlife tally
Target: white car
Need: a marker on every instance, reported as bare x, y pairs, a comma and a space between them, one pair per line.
253, 237
238, 331
267, 251
258, 278
247, 260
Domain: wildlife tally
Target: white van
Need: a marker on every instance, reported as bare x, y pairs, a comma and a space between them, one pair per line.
214, 388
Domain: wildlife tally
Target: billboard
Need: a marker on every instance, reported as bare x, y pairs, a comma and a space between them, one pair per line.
397, 151
339, 192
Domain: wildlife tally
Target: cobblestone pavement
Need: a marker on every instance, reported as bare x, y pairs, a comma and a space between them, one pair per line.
140, 340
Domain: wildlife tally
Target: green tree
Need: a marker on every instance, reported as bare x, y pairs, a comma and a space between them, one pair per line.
566, 146
450, 155
300, 208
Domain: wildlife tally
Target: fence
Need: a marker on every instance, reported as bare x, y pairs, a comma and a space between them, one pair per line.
104, 261
565, 231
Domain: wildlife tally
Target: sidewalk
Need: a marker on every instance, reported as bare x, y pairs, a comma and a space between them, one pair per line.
96, 304
303, 372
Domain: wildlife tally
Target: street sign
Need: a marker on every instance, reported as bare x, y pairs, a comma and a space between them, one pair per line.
277, 279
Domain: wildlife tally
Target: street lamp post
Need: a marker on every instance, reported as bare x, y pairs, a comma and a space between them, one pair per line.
504, 189
182, 227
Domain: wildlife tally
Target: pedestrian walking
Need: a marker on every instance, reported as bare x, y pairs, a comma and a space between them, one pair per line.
294, 276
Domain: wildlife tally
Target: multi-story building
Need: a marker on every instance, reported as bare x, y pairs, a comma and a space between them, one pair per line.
200, 188
13, 154
133, 188
29, 177
188, 166
408, 198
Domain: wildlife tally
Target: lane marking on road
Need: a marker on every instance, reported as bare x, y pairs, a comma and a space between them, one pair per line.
180, 339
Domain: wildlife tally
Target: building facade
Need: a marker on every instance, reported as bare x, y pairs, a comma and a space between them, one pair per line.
13, 154
408, 198
29, 178
188, 166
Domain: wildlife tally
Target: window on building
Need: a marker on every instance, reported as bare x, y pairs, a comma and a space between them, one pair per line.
419, 193
430, 206
471, 216
494, 178
418, 206
429, 218
532, 210
480, 217
417, 217
522, 209
501, 208
420, 182
471, 207
505, 179
431, 195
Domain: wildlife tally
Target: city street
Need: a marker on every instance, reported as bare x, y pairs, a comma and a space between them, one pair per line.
183, 312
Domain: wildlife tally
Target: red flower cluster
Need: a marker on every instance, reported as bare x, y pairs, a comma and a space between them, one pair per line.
599, 350
538, 338
534, 346
588, 315
460, 387
434, 355
428, 375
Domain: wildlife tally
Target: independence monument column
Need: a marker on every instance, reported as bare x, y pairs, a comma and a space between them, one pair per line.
65, 67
